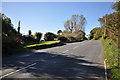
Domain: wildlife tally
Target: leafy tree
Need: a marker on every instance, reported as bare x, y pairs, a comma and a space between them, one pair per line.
19, 27
49, 36
96, 33
10, 38
38, 35
71, 38
80, 35
85, 38
28, 38
63, 39
116, 6
29, 32
111, 26
59, 31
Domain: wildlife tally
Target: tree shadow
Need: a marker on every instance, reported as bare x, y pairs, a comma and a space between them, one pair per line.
56, 66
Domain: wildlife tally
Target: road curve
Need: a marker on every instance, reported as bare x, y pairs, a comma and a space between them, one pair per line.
80, 60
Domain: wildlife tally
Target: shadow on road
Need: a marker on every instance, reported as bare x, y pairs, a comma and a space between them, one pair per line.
55, 65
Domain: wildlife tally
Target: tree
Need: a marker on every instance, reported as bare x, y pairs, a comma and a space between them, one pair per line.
116, 6
29, 32
75, 28
80, 35
49, 36
62, 39
59, 31
96, 33
112, 25
19, 27
69, 26
10, 40
76, 23
38, 35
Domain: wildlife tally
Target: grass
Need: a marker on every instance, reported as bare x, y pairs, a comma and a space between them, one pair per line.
17, 51
31, 47
111, 55
42, 43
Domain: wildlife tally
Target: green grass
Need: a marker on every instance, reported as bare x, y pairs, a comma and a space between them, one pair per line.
42, 43
111, 55
23, 50
27, 48
17, 51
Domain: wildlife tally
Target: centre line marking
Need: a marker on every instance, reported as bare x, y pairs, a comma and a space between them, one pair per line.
66, 51
17, 70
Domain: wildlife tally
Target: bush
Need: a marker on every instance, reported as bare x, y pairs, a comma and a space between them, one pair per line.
30, 38
85, 38
71, 38
112, 59
9, 44
38, 35
49, 36
63, 39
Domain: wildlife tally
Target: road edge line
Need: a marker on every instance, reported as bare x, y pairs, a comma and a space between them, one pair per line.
105, 67
65, 51
16, 71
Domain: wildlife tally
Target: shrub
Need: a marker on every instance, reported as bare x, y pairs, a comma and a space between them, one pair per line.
30, 38
49, 36
71, 38
38, 35
63, 39
9, 44
85, 38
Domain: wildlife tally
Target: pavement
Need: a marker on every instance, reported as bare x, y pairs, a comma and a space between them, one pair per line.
78, 60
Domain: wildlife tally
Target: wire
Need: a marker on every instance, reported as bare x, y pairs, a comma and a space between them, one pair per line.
109, 7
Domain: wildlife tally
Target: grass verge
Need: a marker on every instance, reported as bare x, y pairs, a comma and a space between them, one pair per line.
42, 43
17, 51
111, 55
33, 46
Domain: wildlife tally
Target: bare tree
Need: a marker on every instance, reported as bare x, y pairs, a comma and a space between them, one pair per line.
76, 23
69, 25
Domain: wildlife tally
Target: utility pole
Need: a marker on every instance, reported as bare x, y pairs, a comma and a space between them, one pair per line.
119, 48
19, 27
105, 26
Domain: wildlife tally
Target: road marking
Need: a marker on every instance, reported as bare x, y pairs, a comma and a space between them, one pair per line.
17, 70
65, 51
75, 47
105, 69
55, 56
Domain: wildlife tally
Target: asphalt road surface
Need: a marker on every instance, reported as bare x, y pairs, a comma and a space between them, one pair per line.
79, 60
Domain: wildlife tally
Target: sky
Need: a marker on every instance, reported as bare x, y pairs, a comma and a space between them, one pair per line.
51, 16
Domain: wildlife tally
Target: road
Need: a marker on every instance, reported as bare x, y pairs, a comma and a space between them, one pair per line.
80, 60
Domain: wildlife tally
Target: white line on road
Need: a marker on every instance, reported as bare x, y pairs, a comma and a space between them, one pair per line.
65, 51
75, 47
105, 69
17, 70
